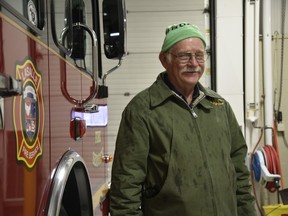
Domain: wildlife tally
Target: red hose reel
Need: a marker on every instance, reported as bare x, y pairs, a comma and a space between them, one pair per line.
266, 167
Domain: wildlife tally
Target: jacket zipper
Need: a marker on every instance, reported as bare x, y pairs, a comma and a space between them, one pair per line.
194, 114
194, 104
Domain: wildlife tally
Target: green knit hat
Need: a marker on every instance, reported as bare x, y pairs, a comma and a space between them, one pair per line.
181, 31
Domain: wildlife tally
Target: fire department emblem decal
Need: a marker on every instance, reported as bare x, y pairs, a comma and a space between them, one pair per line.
28, 115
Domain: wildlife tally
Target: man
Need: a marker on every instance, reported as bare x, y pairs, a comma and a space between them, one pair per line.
180, 150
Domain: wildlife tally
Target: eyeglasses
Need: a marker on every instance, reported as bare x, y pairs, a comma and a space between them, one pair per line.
200, 57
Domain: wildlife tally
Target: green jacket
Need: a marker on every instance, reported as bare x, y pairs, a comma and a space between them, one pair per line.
172, 159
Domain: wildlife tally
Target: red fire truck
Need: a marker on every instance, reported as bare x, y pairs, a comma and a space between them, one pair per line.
53, 104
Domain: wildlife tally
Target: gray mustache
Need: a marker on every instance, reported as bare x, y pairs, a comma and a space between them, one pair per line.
191, 70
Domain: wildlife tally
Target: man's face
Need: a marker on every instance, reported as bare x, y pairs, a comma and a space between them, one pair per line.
184, 73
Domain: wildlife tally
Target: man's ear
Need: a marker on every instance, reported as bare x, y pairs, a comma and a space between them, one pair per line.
163, 59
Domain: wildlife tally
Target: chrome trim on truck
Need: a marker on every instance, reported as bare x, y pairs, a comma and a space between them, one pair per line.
72, 173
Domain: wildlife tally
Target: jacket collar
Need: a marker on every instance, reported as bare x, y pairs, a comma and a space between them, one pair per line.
160, 92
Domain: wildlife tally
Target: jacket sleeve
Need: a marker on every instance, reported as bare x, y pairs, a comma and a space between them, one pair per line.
129, 166
245, 200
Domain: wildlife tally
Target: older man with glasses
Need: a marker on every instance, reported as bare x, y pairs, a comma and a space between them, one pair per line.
179, 149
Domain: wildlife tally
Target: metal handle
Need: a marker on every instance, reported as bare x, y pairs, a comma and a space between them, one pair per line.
59, 43
94, 76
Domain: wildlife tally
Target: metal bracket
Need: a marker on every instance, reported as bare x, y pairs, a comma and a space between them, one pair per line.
9, 86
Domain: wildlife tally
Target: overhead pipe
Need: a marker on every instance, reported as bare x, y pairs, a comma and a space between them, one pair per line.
267, 67
251, 71
256, 58
250, 52
252, 60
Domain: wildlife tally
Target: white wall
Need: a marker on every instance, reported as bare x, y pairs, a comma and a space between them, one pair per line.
229, 39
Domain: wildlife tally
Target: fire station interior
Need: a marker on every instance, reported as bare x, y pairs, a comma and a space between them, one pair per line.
80, 62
